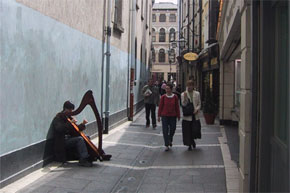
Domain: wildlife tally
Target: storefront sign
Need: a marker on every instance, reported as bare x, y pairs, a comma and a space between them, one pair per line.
190, 56
214, 61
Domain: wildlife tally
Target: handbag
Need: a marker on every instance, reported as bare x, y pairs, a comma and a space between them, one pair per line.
188, 109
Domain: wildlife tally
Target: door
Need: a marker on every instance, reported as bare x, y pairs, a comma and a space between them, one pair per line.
280, 138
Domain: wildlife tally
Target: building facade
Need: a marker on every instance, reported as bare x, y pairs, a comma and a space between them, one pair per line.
164, 30
52, 51
254, 89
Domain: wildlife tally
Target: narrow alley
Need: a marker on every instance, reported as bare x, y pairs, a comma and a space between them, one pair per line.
140, 164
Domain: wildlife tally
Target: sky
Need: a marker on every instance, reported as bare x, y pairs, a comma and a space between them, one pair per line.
173, 1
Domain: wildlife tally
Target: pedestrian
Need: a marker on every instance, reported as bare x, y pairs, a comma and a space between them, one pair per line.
151, 99
66, 142
191, 127
168, 111
162, 88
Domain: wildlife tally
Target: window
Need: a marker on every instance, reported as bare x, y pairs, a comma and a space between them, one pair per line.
153, 38
161, 55
162, 35
153, 56
142, 10
153, 18
162, 18
237, 83
118, 16
172, 34
172, 18
281, 93
172, 56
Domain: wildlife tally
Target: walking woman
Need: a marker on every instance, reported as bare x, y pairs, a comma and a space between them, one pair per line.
190, 124
169, 111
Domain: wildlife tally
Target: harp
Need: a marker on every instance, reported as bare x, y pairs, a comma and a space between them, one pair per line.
94, 152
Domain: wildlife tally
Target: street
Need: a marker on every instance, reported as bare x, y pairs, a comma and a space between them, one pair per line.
140, 164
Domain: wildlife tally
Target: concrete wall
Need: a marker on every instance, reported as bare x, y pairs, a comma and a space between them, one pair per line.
227, 81
51, 51
246, 97
43, 63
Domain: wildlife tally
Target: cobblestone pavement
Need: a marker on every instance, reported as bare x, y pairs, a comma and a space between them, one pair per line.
140, 164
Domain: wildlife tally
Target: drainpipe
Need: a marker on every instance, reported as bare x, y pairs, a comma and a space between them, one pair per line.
200, 23
132, 70
103, 60
108, 55
180, 3
193, 18
129, 60
188, 16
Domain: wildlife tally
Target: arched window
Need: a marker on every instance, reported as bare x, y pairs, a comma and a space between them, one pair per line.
162, 35
153, 56
172, 18
172, 34
153, 18
161, 55
153, 35
172, 55
162, 18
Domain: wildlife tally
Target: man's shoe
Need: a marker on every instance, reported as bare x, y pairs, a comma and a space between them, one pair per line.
170, 144
189, 148
147, 126
85, 163
167, 148
154, 127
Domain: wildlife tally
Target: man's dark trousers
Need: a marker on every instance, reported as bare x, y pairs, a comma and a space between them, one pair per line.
150, 108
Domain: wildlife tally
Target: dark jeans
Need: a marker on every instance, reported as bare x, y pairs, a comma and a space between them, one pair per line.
168, 127
150, 108
78, 144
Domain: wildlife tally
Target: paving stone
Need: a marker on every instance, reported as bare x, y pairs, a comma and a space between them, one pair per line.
38, 189
97, 186
150, 188
140, 164
215, 188
158, 172
155, 180
184, 188
74, 184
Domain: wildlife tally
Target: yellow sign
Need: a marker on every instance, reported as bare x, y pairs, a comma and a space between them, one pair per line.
213, 61
190, 56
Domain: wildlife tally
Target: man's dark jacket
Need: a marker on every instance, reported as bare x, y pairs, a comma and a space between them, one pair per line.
60, 127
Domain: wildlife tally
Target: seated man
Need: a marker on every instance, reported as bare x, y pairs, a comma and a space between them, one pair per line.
66, 140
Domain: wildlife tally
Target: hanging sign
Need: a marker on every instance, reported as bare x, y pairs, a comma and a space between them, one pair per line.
190, 56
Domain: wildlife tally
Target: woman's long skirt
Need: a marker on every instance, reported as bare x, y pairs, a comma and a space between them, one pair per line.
191, 130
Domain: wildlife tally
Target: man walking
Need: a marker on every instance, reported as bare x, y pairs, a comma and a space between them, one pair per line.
151, 98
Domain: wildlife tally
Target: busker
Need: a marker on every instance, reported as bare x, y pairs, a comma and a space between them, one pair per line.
191, 127
66, 142
168, 111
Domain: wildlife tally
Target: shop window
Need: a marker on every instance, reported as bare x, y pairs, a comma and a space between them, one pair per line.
281, 92
237, 83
